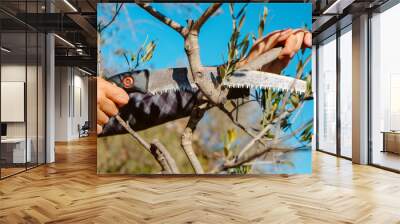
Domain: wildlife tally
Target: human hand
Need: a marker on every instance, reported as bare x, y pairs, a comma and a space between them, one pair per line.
291, 41
109, 98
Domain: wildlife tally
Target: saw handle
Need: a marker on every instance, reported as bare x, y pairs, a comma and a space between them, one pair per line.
134, 81
263, 59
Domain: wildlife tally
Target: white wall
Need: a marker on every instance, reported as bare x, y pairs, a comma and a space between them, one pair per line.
61, 104
33, 126
16, 72
71, 102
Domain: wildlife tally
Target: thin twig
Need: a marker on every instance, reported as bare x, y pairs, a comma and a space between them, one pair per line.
238, 124
164, 19
204, 17
293, 133
263, 132
266, 129
102, 28
156, 149
164, 158
133, 133
238, 162
241, 104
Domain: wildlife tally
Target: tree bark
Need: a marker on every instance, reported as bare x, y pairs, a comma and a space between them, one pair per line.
187, 139
163, 157
157, 150
167, 21
206, 15
214, 92
236, 163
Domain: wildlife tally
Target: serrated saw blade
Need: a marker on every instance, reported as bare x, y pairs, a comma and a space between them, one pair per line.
176, 79
264, 80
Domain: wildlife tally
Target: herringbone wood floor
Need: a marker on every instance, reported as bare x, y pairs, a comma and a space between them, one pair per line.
69, 191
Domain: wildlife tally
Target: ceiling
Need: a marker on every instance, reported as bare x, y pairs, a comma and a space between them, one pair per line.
332, 15
22, 20
75, 21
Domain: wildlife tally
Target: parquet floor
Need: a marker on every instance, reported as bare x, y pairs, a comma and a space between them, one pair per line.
69, 191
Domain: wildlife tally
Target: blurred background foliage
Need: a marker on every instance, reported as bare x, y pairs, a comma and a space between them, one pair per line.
122, 154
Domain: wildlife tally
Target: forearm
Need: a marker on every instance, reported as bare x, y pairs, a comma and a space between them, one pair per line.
147, 110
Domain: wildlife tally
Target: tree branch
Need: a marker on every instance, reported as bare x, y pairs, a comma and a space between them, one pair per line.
186, 140
163, 157
262, 133
133, 133
215, 93
293, 133
239, 125
238, 162
206, 15
161, 17
157, 150
118, 9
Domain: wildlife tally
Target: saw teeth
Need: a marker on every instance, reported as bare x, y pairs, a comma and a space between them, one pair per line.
175, 89
239, 79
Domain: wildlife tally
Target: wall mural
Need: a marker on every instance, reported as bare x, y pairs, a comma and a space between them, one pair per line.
204, 88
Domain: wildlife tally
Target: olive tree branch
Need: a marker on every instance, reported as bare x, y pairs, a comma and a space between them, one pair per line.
164, 158
238, 162
212, 91
164, 19
206, 15
216, 94
262, 133
101, 28
157, 150
242, 158
238, 124
187, 138
294, 132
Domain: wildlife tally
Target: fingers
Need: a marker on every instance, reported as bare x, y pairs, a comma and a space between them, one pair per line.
264, 44
297, 40
259, 46
291, 40
102, 118
271, 42
99, 129
117, 95
108, 107
308, 40
285, 34
109, 98
265, 39
288, 49
300, 41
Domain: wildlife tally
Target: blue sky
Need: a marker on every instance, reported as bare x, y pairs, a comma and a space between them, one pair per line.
134, 25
